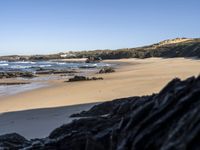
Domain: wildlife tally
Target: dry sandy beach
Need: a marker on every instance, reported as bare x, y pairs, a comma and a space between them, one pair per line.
133, 77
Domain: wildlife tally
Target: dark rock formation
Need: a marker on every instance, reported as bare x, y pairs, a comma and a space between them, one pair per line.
93, 59
16, 74
53, 71
13, 83
106, 70
87, 67
12, 141
83, 78
168, 120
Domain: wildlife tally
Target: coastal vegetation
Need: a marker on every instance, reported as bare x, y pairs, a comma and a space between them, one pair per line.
179, 47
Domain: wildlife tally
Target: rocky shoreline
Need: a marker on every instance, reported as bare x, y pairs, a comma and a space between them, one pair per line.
13, 83
167, 120
16, 74
83, 78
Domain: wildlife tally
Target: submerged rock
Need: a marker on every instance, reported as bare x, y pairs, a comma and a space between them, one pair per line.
52, 71
164, 121
106, 70
83, 78
13, 83
16, 74
93, 59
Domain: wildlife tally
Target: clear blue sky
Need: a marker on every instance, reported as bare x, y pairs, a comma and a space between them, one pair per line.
51, 26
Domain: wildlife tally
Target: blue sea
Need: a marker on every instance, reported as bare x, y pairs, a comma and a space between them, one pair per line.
31, 66
39, 82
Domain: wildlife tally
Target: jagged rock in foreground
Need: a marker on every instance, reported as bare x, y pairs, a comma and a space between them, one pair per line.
12, 141
168, 120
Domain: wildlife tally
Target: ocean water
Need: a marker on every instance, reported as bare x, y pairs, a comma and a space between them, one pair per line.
33, 66
38, 82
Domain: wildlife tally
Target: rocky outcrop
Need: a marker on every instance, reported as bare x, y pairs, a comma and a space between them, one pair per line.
164, 121
106, 70
12, 141
16, 74
93, 59
83, 78
13, 83
53, 71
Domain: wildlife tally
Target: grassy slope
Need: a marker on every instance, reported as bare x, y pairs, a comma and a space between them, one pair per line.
186, 48
189, 48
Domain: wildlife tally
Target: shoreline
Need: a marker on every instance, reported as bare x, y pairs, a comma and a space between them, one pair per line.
42, 78
133, 77
35, 113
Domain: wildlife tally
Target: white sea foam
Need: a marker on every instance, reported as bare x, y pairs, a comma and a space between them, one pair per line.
45, 66
20, 67
26, 62
60, 63
4, 64
31, 66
